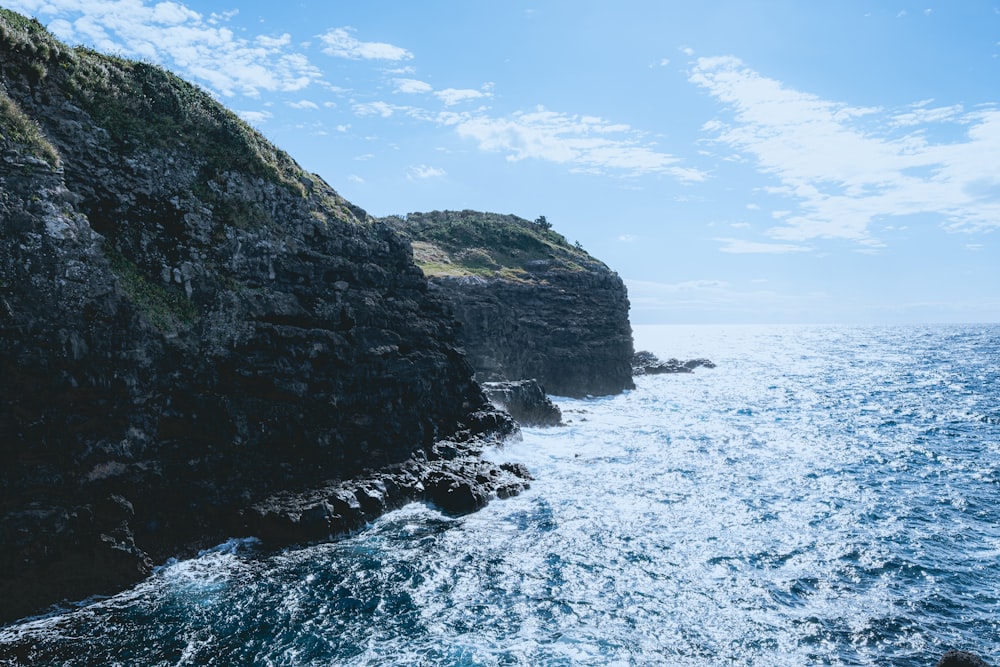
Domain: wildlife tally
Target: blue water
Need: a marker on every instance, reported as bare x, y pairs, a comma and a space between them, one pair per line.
825, 496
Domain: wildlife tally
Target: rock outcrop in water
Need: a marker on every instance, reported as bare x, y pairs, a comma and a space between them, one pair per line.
525, 401
196, 335
647, 363
531, 305
961, 659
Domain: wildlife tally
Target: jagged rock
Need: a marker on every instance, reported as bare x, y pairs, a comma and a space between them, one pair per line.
526, 402
450, 475
647, 363
189, 325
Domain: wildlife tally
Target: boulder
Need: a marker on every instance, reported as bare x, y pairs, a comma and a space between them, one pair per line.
961, 659
526, 402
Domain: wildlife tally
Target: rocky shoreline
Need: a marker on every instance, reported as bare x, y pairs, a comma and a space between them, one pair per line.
451, 476
198, 339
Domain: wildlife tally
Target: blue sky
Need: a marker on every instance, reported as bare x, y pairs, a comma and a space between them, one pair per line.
757, 162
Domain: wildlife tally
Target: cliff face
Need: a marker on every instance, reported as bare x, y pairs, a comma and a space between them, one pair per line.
530, 304
188, 324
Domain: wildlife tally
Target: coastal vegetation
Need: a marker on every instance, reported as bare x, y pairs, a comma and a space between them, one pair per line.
474, 243
18, 129
139, 104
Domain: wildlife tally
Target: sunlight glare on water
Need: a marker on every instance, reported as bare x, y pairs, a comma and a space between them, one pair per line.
825, 496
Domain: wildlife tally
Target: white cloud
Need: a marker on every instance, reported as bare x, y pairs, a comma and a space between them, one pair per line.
848, 166
421, 172
452, 96
412, 86
382, 109
180, 38
920, 114
274, 42
303, 104
341, 43
354, 178
255, 117
741, 247
587, 144
628, 238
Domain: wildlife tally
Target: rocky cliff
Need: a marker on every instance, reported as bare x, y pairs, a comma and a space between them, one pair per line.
192, 330
531, 305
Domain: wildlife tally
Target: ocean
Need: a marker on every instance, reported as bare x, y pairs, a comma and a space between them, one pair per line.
824, 496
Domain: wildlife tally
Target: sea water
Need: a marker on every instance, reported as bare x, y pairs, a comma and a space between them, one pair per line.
825, 496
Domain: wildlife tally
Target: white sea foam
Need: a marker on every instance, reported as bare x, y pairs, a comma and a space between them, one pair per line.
826, 496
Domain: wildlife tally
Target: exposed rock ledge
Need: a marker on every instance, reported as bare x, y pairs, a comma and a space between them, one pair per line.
451, 475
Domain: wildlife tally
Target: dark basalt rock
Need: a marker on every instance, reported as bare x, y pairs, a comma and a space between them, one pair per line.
189, 325
451, 476
530, 305
569, 331
526, 402
647, 363
961, 659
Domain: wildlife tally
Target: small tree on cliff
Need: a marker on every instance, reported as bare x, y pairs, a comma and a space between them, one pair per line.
542, 223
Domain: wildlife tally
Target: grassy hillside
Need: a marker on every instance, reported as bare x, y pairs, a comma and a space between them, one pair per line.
136, 103
466, 243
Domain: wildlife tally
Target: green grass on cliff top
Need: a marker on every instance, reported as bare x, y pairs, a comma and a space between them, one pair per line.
138, 104
471, 243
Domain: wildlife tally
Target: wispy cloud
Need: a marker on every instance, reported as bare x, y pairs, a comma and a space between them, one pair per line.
168, 32
742, 247
341, 43
585, 143
412, 86
304, 104
850, 166
382, 109
922, 113
449, 96
422, 172
453, 96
